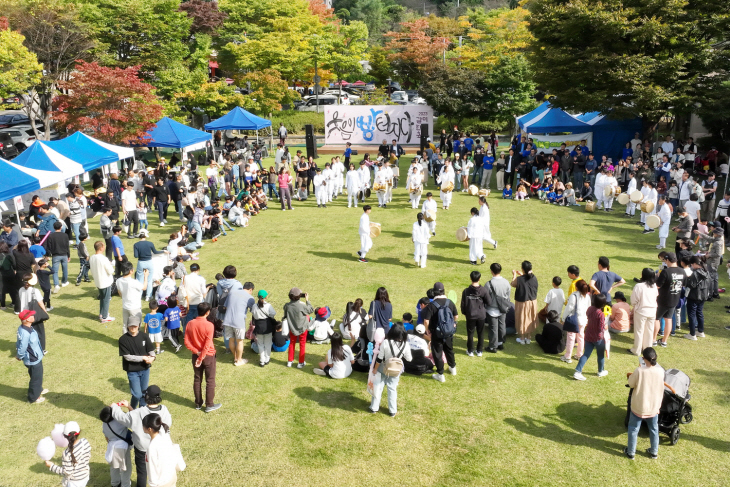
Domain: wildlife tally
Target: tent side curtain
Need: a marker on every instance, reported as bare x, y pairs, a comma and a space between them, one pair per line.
171, 134
238, 119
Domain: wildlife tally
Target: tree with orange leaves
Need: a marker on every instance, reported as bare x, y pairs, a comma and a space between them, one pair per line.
413, 48
112, 104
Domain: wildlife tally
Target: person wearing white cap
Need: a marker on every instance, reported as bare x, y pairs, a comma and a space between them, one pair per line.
74, 466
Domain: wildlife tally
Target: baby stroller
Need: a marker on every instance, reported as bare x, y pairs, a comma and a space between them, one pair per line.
675, 409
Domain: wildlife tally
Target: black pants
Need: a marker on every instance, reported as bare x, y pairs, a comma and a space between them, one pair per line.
440, 347
7, 286
472, 325
496, 329
509, 178
141, 465
133, 219
35, 387
40, 328
118, 266
109, 250
46, 297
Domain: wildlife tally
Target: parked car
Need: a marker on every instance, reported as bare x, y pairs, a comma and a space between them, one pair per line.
7, 147
21, 139
13, 119
29, 130
311, 104
398, 96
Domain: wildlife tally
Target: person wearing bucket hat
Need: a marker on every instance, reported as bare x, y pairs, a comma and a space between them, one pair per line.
29, 351
133, 420
74, 466
264, 323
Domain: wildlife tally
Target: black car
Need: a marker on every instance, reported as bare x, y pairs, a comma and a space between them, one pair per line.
13, 119
7, 149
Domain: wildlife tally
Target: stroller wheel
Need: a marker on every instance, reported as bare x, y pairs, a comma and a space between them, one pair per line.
674, 435
687, 417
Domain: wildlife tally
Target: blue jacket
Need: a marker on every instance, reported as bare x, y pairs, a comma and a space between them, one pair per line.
10, 238
47, 222
28, 346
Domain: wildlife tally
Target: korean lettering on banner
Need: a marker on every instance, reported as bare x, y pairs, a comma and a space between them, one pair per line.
371, 124
546, 143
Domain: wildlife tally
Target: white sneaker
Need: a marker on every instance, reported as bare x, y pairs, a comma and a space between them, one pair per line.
603, 373
566, 360
56, 289
479, 354
301, 365
64, 284
700, 334
578, 376
288, 364
527, 341
690, 337
319, 372
162, 224
470, 354
439, 377
452, 370
519, 340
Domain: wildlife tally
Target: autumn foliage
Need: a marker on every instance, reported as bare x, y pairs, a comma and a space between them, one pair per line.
111, 104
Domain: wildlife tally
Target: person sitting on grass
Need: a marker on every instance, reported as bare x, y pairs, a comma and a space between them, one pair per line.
322, 330
339, 360
552, 339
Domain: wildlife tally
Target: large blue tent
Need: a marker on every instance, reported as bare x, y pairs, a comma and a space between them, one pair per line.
550, 120
611, 135
238, 119
41, 157
84, 150
172, 134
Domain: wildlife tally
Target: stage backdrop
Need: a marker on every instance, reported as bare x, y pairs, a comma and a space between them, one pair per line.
371, 124
546, 143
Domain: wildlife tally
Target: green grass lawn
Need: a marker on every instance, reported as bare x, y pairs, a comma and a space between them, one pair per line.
515, 418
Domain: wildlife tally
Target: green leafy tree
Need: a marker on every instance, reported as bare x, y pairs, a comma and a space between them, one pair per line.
507, 91
627, 56
347, 45
455, 93
19, 68
380, 67
715, 111
268, 92
212, 99
148, 33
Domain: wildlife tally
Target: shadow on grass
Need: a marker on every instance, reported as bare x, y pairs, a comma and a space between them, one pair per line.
81, 403
167, 396
89, 334
64, 312
709, 443
554, 432
331, 398
8, 346
582, 418
525, 364
335, 255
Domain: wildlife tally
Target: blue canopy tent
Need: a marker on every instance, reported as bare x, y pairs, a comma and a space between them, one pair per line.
84, 150
172, 134
41, 157
537, 111
610, 135
550, 120
238, 119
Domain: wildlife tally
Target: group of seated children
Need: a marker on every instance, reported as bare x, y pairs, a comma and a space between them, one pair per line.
550, 190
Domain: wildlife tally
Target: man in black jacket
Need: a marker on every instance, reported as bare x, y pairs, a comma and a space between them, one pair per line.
149, 186
510, 166
383, 149
57, 247
440, 345
474, 300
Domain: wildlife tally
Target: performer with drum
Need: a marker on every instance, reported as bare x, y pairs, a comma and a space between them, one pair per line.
420, 237
475, 232
648, 207
630, 190
388, 170
446, 181
380, 186
664, 212
611, 190
364, 179
415, 186
429, 212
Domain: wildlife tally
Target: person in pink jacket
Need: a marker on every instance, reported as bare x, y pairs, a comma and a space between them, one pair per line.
644, 301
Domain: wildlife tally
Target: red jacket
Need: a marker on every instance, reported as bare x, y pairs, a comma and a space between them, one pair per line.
199, 337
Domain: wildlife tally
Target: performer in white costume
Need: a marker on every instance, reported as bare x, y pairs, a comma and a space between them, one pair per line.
446, 180
475, 231
664, 213
631, 207
420, 237
366, 243
353, 183
414, 185
485, 216
430, 206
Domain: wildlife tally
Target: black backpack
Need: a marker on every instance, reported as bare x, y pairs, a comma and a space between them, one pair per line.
223, 300
446, 326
